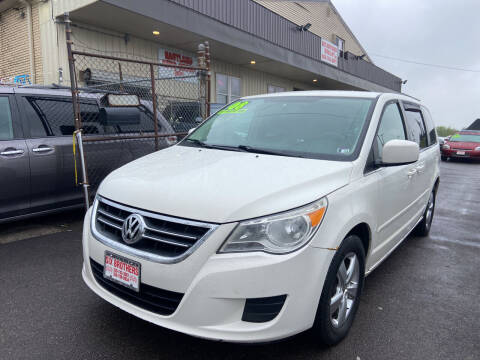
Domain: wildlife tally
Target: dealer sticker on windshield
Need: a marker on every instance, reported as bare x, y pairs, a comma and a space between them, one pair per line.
121, 270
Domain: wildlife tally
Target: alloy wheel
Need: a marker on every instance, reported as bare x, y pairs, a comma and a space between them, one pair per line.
345, 290
430, 208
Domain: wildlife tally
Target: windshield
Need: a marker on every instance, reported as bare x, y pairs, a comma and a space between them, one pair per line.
465, 138
303, 126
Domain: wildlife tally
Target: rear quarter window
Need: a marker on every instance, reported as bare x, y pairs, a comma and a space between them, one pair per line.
432, 134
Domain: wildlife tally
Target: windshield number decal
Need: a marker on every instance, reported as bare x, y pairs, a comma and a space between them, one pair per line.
236, 108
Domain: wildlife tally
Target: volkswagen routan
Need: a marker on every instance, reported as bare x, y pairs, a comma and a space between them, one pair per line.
264, 221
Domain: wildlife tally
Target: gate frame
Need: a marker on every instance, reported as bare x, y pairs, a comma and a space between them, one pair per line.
203, 55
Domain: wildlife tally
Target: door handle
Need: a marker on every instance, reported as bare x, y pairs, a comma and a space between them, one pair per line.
411, 173
11, 152
42, 149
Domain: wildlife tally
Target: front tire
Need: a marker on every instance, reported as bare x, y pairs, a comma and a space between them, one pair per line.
341, 292
444, 158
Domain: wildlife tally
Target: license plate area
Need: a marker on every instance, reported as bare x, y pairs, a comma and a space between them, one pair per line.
460, 152
122, 271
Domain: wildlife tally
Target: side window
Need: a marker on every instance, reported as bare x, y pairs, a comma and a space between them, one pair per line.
391, 127
35, 123
432, 134
146, 123
415, 127
90, 122
49, 116
6, 125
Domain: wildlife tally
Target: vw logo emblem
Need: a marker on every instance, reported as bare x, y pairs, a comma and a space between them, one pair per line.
133, 229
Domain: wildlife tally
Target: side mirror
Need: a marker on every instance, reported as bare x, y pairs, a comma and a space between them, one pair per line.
400, 152
191, 130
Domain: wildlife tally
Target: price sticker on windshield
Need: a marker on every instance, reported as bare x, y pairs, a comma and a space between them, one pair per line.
235, 108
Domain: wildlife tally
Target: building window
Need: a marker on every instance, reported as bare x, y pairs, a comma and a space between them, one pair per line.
275, 89
341, 45
229, 88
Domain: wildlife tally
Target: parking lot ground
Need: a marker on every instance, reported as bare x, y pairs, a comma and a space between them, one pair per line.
421, 303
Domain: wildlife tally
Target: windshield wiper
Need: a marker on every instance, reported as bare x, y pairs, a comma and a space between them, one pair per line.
200, 143
212, 146
265, 151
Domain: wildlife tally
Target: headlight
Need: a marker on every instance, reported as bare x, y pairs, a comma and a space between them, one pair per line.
277, 234
477, 148
446, 147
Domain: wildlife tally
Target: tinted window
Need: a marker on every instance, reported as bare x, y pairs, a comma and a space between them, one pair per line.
415, 128
308, 126
391, 127
432, 134
146, 122
49, 116
6, 126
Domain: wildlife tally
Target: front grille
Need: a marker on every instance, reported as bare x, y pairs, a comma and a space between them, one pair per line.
159, 301
165, 237
265, 309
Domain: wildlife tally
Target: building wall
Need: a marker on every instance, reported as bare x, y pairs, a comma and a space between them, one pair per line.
324, 19
97, 40
14, 44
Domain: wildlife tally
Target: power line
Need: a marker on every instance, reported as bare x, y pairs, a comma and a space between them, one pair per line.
426, 64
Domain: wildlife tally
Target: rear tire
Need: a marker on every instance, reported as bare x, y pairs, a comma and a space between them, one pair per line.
423, 228
341, 293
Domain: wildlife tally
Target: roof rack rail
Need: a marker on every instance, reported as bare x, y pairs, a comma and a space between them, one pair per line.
54, 86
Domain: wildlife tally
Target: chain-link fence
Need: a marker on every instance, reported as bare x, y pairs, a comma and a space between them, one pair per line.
125, 109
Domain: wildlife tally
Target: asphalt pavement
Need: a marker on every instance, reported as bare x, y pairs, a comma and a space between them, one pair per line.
421, 303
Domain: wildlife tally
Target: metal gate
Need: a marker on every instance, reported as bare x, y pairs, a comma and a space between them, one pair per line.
126, 108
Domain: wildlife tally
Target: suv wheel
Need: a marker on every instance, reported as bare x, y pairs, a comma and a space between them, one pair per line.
423, 228
444, 158
341, 292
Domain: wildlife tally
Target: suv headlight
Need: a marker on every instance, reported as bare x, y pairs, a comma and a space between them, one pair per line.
277, 234
477, 148
446, 147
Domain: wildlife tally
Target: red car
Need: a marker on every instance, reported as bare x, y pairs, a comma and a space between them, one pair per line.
464, 144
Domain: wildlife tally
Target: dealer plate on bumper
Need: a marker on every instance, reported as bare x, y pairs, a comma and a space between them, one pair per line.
121, 270
460, 152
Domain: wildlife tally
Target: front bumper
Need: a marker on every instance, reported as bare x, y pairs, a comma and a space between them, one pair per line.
216, 286
468, 154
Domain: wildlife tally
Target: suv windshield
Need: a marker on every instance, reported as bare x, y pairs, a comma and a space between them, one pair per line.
303, 126
465, 138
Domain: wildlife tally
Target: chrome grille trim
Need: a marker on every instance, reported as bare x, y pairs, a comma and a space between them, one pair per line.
152, 233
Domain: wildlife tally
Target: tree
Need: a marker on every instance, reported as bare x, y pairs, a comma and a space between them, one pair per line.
445, 131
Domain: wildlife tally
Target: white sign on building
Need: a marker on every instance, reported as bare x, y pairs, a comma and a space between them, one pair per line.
329, 53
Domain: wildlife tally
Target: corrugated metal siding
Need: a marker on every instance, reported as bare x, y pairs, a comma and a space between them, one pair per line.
259, 21
325, 21
256, 19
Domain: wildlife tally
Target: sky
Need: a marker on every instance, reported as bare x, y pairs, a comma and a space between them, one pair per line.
437, 32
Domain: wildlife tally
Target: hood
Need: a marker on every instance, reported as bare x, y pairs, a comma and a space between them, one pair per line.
462, 145
222, 186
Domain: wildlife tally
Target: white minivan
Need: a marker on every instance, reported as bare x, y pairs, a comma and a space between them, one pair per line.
265, 220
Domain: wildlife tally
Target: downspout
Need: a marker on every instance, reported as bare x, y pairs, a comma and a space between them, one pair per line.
28, 5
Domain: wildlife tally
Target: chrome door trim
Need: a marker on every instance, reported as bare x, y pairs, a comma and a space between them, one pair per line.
11, 152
